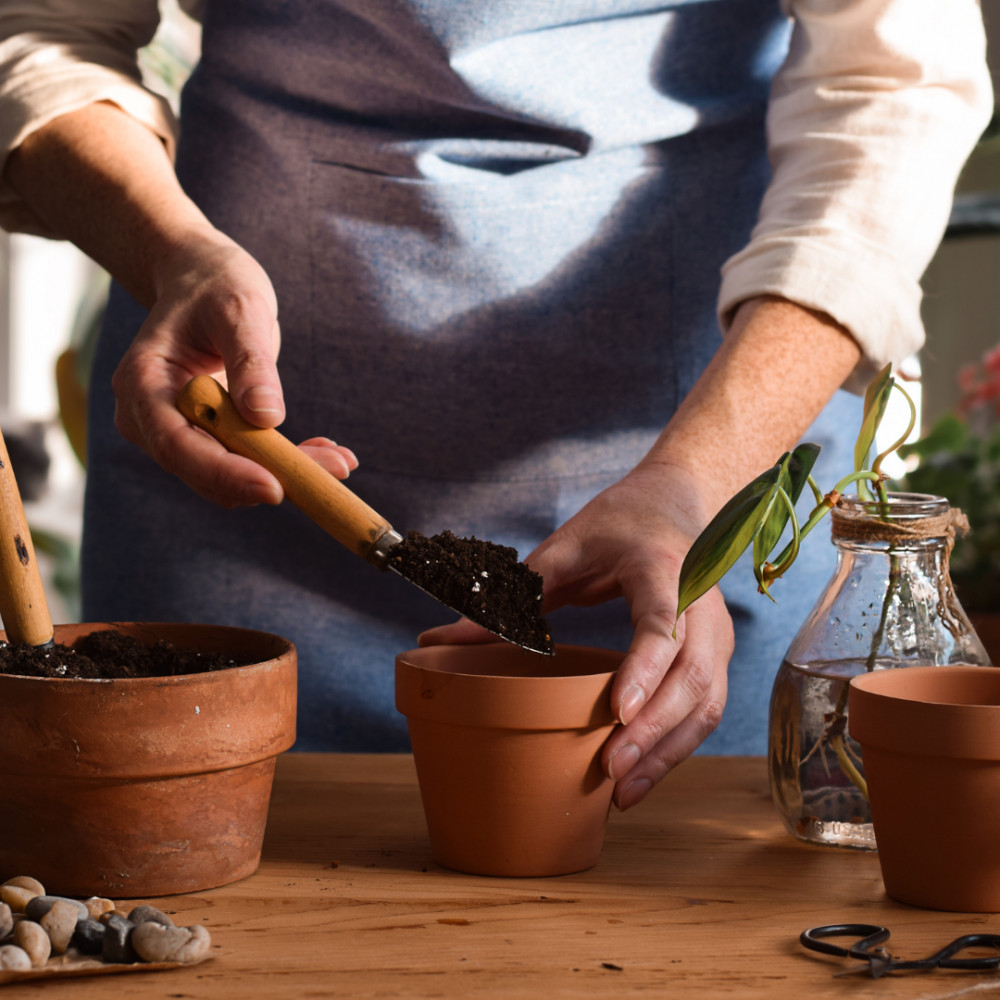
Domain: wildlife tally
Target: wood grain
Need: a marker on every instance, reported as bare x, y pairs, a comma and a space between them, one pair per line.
699, 893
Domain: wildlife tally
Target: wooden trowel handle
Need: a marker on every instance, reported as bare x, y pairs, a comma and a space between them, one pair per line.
307, 484
23, 606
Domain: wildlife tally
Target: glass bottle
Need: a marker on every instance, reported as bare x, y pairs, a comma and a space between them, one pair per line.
890, 603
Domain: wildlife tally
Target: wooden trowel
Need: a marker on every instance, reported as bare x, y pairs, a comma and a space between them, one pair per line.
359, 528
23, 607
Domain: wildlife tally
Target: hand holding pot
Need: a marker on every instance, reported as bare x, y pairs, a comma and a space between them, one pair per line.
629, 542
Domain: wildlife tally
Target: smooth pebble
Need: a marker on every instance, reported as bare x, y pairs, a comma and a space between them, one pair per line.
144, 913
34, 940
38, 906
59, 923
197, 948
16, 896
156, 942
12, 957
27, 882
98, 905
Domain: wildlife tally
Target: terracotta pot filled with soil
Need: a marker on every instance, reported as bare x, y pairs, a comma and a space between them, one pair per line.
930, 739
507, 745
140, 763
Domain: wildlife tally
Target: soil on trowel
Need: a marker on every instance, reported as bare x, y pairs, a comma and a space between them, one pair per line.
484, 581
108, 654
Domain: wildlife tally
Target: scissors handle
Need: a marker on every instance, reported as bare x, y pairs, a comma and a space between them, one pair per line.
945, 958
867, 937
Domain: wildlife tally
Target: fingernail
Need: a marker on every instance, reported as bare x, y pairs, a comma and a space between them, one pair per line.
623, 760
262, 399
628, 708
257, 494
634, 792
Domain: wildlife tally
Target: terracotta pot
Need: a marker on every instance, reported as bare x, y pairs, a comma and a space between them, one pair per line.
507, 747
148, 786
930, 738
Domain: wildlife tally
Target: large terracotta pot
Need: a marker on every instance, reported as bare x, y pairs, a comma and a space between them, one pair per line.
930, 739
149, 786
507, 747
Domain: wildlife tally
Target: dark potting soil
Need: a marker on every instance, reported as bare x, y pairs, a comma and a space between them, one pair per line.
484, 581
108, 654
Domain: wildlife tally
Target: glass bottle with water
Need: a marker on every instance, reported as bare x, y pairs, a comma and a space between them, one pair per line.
889, 604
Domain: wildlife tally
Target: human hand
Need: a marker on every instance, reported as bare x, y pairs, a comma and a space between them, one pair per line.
214, 313
630, 541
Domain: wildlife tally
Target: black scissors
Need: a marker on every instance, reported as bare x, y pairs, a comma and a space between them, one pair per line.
868, 948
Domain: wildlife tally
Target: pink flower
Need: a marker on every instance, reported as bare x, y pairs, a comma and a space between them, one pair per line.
991, 359
980, 382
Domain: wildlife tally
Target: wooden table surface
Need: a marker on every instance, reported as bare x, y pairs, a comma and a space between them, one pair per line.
699, 893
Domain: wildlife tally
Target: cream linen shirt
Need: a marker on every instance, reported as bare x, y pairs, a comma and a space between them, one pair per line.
872, 116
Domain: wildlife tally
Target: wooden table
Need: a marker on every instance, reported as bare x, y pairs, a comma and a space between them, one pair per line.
699, 893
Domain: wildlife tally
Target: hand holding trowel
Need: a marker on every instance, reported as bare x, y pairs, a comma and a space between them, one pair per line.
506, 603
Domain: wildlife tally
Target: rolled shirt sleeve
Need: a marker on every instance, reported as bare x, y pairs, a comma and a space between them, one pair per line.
57, 56
872, 116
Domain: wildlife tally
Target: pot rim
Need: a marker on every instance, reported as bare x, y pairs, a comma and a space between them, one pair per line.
153, 726
904, 710
507, 652
427, 690
68, 632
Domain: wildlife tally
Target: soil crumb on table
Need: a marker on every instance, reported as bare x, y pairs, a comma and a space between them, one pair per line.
481, 580
108, 654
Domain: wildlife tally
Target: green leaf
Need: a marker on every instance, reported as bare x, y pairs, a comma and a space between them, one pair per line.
794, 472
876, 400
716, 550
766, 538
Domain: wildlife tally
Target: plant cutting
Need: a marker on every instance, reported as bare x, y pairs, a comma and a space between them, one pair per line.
889, 603
761, 511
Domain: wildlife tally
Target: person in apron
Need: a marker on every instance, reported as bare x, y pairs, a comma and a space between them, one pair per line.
494, 233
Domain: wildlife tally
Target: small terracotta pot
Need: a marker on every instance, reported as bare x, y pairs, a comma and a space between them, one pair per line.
930, 739
507, 747
147, 786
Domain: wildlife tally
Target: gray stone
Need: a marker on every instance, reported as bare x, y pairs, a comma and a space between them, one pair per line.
117, 945
155, 942
14, 958
197, 948
34, 940
88, 937
144, 913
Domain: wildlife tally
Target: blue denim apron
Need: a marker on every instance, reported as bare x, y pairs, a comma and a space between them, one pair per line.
495, 230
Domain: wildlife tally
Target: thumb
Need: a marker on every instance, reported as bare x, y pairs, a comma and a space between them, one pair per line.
252, 372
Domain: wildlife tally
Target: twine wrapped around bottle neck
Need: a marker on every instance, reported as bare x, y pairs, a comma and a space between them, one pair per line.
872, 528
865, 526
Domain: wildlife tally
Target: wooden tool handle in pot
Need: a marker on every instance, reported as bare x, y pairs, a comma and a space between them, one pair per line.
23, 606
307, 484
